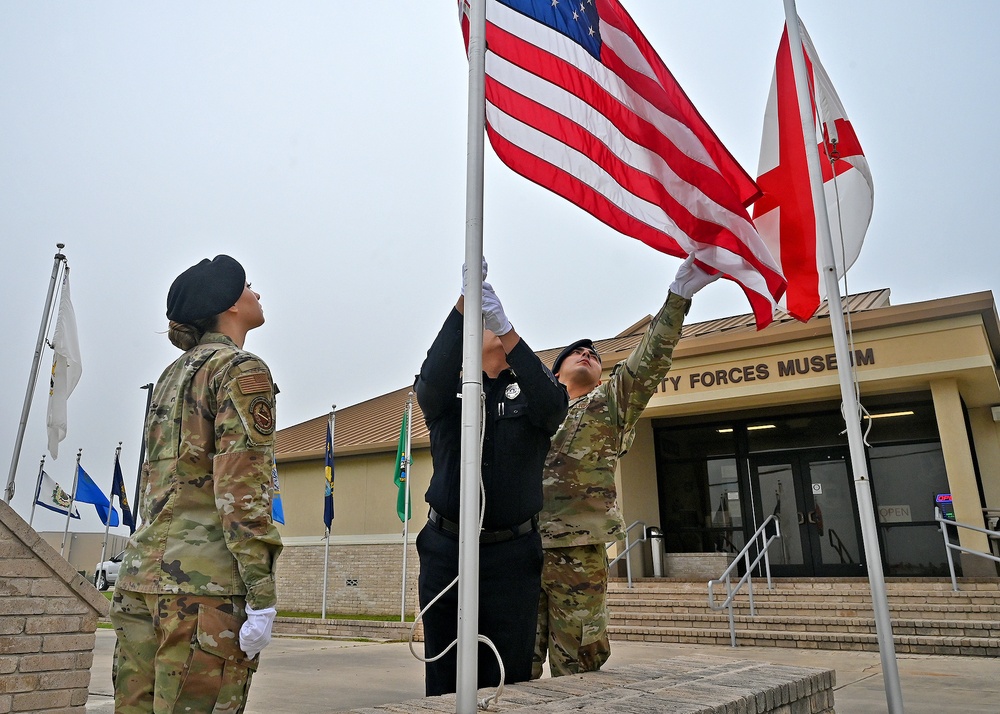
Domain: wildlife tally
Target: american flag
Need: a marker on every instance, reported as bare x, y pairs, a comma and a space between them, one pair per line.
579, 102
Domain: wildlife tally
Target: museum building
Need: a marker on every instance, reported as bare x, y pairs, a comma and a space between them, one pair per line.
747, 424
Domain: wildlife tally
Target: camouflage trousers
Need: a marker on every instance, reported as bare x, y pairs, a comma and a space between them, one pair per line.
179, 653
572, 611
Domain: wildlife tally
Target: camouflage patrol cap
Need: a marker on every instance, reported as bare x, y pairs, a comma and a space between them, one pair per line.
568, 350
205, 289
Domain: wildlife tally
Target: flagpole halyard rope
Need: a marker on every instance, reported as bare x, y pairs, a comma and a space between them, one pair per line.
483, 704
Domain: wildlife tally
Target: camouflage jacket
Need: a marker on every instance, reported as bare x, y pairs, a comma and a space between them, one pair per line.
206, 504
578, 484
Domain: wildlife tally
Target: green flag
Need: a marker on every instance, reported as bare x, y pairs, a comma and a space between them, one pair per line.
402, 503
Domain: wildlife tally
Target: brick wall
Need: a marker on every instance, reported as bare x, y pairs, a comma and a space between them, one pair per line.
48, 616
361, 578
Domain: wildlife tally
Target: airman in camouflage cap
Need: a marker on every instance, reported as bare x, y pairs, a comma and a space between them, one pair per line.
580, 511
202, 564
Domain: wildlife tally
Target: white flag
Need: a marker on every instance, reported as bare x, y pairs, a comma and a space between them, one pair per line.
51, 496
66, 368
785, 216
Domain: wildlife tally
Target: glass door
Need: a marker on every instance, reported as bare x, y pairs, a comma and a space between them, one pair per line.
811, 494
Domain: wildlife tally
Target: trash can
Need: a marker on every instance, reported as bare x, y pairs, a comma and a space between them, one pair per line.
655, 537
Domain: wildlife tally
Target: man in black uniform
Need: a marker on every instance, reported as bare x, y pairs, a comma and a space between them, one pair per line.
524, 405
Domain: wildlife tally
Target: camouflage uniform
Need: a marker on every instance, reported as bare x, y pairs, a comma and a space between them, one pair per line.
207, 546
580, 512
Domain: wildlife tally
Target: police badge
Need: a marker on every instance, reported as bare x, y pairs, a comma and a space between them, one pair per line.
513, 390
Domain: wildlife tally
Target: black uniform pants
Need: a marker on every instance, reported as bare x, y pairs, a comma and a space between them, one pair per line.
509, 587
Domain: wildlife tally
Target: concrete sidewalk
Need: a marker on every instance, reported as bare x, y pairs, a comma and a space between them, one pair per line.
300, 676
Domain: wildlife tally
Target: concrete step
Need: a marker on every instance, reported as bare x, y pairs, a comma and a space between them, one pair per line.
720, 620
828, 608
904, 643
928, 615
965, 585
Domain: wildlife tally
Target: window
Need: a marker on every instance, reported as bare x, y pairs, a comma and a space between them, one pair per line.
906, 478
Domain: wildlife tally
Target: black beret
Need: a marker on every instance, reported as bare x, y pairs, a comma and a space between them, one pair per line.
569, 349
205, 289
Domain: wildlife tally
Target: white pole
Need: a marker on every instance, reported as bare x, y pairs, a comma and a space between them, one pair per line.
326, 553
111, 497
472, 371
869, 529
59, 261
38, 490
72, 501
406, 503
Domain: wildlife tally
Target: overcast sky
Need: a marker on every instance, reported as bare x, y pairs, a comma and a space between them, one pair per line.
323, 144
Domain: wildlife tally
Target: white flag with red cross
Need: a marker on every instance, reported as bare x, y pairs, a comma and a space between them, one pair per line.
785, 216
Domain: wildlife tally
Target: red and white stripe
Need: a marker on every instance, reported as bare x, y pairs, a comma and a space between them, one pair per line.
619, 138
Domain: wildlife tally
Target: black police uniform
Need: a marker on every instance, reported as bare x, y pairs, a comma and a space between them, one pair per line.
524, 407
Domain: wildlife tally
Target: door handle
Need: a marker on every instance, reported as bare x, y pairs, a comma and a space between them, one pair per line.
816, 519
802, 519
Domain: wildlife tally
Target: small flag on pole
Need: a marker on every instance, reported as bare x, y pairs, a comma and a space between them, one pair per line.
50, 495
328, 495
118, 491
277, 509
66, 368
579, 102
88, 492
785, 215
403, 508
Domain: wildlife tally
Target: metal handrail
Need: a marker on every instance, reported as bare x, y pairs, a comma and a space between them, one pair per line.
840, 547
949, 546
747, 579
628, 548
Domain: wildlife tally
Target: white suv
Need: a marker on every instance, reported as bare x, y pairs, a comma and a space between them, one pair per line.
106, 573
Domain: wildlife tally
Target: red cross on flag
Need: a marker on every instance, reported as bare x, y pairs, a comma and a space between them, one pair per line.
785, 216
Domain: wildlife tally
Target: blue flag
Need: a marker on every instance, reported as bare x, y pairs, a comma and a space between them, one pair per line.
328, 495
88, 492
277, 510
118, 491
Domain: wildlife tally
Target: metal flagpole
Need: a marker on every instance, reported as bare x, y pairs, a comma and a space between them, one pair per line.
111, 496
38, 490
326, 550
472, 371
72, 502
406, 503
845, 370
59, 261
142, 454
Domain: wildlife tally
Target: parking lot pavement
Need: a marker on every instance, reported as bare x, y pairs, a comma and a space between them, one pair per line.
305, 676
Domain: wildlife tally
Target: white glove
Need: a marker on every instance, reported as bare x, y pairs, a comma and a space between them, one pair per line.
493, 315
465, 277
255, 634
690, 279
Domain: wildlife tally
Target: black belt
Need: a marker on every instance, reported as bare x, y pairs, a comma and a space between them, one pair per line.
485, 536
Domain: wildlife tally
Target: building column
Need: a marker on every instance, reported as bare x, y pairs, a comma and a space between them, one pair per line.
961, 475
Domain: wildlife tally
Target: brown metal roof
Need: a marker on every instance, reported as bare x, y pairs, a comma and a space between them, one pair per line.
373, 425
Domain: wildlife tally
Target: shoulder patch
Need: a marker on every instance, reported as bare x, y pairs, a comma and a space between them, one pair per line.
254, 383
262, 415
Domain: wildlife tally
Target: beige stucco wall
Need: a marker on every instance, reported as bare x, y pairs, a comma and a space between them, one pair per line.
83, 550
986, 436
637, 491
364, 494
893, 359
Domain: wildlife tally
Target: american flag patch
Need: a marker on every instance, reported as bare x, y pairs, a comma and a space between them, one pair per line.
254, 383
